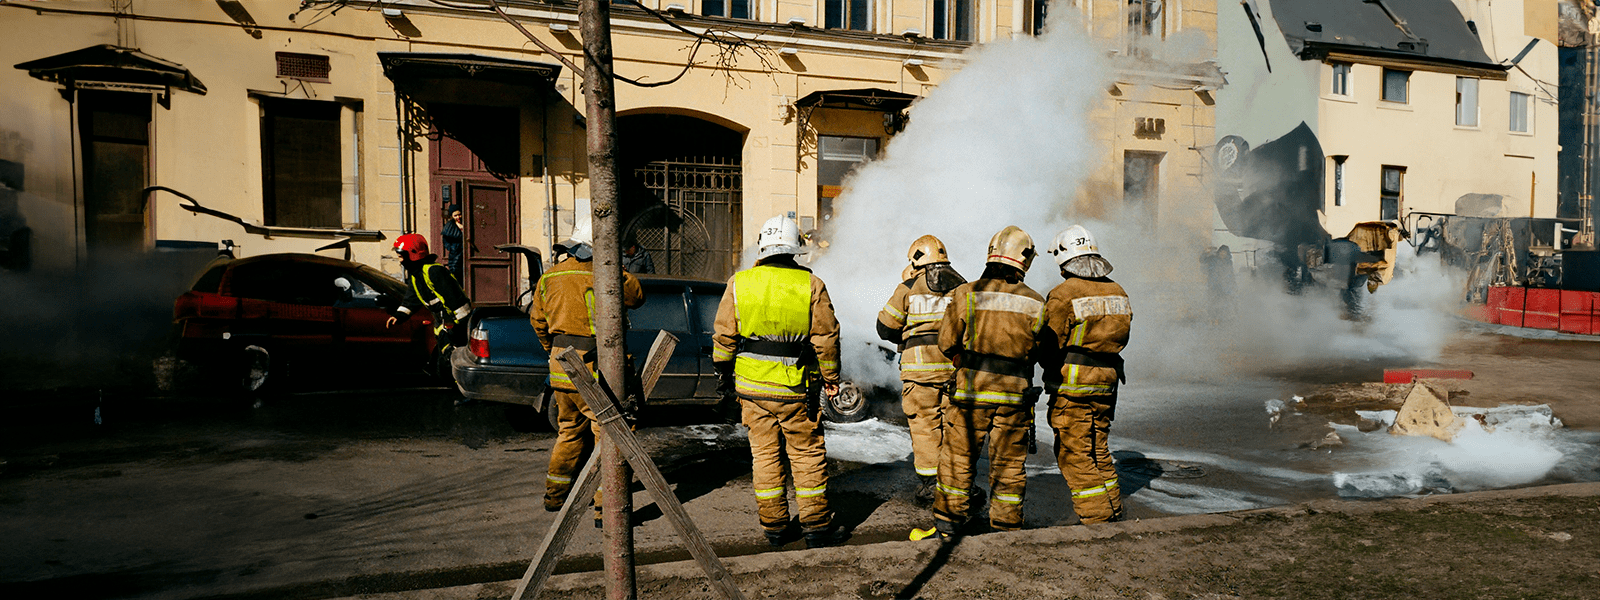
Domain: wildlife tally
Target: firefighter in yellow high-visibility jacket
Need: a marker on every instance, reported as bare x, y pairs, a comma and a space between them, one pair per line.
991, 328
775, 336
1089, 318
911, 319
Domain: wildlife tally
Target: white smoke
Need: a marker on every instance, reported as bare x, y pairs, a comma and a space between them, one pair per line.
1009, 140
1004, 141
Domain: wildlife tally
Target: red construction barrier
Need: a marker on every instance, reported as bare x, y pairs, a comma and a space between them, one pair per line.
1578, 312
1411, 375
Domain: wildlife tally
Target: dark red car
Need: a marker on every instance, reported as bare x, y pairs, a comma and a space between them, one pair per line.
254, 321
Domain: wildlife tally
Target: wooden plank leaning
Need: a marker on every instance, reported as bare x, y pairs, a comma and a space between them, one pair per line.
566, 522
617, 431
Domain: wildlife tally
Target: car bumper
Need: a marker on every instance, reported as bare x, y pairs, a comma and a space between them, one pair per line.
514, 385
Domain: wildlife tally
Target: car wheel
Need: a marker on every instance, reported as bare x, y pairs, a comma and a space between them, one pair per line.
847, 406
260, 372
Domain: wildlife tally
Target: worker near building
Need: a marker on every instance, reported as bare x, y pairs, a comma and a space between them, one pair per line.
430, 284
563, 317
636, 259
452, 234
990, 328
1088, 317
911, 319
776, 337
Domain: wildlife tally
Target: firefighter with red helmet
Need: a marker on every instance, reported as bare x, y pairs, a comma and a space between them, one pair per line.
430, 284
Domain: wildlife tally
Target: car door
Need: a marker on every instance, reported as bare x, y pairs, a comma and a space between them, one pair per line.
665, 309
363, 321
703, 300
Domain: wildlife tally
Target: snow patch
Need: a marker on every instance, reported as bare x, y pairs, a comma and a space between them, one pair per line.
871, 441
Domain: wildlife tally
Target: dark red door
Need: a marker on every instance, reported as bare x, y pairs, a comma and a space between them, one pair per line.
484, 192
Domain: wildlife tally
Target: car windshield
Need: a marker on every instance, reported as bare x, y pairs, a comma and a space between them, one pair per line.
382, 282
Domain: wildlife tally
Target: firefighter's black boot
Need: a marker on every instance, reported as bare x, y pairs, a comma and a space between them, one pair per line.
778, 538
826, 536
923, 497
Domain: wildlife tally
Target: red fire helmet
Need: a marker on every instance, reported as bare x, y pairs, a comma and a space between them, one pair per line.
411, 246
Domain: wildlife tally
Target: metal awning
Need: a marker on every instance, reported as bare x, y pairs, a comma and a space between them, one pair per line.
112, 67
410, 66
872, 99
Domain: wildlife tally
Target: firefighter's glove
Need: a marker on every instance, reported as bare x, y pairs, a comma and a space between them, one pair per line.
725, 379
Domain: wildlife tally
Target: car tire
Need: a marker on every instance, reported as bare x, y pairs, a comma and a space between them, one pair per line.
847, 406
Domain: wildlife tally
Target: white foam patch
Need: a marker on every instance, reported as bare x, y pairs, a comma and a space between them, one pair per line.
871, 441
1522, 444
1173, 497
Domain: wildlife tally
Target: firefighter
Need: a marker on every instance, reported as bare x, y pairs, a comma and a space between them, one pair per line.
990, 330
1088, 318
563, 317
911, 319
430, 284
776, 336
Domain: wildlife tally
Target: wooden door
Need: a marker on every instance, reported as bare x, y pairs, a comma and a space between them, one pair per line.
487, 197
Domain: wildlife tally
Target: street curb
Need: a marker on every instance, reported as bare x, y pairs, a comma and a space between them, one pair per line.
888, 552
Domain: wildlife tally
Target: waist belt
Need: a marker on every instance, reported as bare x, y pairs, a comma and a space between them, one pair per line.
926, 339
774, 348
584, 344
998, 365
1104, 360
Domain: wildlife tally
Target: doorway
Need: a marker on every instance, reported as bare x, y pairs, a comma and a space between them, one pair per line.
682, 194
114, 131
473, 167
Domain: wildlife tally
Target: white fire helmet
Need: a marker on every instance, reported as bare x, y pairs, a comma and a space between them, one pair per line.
779, 235
580, 244
1075, 243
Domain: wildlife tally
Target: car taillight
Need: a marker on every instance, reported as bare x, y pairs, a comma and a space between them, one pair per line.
195, 304
478, 342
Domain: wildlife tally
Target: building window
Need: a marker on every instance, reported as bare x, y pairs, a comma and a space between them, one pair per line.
1467, 101
1041, 11
737, 9
848, 14
1141, 184
1144, 25
1393, 193
1338, 180
954, 20
1521, 112
837, 157
1396, 85
300, 163
1341, 79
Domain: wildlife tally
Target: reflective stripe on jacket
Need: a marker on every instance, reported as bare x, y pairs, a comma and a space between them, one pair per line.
993, 325
1090, 318
915, 311
776, 324
432, 285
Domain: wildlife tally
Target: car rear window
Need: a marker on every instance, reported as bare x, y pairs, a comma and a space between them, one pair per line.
285, 281
663, 309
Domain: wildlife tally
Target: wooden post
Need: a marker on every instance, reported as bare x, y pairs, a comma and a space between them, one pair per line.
605, 410
555, 542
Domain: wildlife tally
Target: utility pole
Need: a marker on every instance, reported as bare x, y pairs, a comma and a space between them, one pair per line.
600, 111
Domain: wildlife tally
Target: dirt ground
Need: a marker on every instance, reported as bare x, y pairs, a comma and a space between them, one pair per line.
1531, 543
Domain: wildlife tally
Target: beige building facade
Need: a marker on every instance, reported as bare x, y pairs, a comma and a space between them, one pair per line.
335, 126
1345, 111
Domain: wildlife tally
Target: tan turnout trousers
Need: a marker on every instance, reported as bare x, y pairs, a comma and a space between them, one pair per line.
966, 427
786, 428
924, 408
1083, 426
575, 441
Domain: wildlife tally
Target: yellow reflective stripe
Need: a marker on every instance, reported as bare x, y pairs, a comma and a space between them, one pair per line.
800, 492
558, 478
951, 490
1111, 484
919, 318
927, 471
898, 314
972, 316
1089, 492
927, 367
756, 388
588, 300
1001, 397
828, 364
720, 354
1078, 332
1092, 389
1009, 498
543, 291
769, 493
